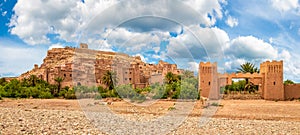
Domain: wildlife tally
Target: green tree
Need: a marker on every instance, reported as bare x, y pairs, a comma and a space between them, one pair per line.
58, 80
286, 82
109, 79
171, 78
2, 81
33, 80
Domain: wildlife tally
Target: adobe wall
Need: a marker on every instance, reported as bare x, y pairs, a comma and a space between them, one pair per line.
292, 91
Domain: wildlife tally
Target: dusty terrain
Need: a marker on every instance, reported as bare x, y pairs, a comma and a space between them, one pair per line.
59, 116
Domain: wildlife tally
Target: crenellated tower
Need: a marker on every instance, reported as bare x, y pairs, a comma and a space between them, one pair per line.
208, 80
273, 87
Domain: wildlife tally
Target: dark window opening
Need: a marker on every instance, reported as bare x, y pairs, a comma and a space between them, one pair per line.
130, 72
125, 78
70, 75
129, 78
208, 83
274, 83
78, 84
65, 75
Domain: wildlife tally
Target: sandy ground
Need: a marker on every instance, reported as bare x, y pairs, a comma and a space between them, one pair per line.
59, 116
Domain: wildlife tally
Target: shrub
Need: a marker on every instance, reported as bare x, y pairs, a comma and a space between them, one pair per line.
215, 104
139, 98
45, 95
70, 94
62, 93
171, 108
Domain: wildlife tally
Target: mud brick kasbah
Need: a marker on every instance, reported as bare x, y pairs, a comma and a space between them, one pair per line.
83, 66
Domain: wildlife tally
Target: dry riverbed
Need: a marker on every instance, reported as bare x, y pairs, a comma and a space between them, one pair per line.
88, 116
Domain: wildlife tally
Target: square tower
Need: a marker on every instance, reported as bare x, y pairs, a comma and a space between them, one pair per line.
273, 88
208, 80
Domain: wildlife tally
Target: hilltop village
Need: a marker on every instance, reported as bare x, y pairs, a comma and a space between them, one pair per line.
83, 66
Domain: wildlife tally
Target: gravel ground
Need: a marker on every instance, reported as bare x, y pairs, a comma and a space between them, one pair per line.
59, 116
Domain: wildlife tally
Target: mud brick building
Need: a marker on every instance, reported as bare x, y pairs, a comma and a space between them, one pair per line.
269, 81
83, 66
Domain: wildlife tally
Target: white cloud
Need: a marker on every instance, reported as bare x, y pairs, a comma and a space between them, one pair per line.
205, 8
16, 59
70, 19
4, 13
199, 43
252, 48
56, 46
134, 42
285, 5
31, 22
233, 64
232, 22
193, 66
142, 57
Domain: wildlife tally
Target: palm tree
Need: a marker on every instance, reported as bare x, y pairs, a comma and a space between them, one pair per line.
248, 68
58, 80
109, 79
33, 80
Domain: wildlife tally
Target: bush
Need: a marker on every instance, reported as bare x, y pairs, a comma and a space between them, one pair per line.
139, 98
45, 95
62, 93
70, 94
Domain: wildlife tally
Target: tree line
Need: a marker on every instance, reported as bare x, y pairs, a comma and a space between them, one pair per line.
175, 86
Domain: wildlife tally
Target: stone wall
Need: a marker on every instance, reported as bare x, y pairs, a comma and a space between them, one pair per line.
292, 91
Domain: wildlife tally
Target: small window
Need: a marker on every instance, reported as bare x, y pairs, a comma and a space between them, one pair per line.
129, 78
125, 79
130, 72
70, 75
125, 72
65, 75
208, 83
274, 83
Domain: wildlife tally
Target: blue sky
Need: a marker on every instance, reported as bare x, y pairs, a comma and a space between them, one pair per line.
184, 32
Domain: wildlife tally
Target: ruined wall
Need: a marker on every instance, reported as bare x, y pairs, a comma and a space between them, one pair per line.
292, 91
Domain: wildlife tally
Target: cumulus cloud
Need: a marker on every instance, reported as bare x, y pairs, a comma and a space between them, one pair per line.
69, 19
193, 66
252, 48
285, 5
199, 43
135, 42
232, 22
